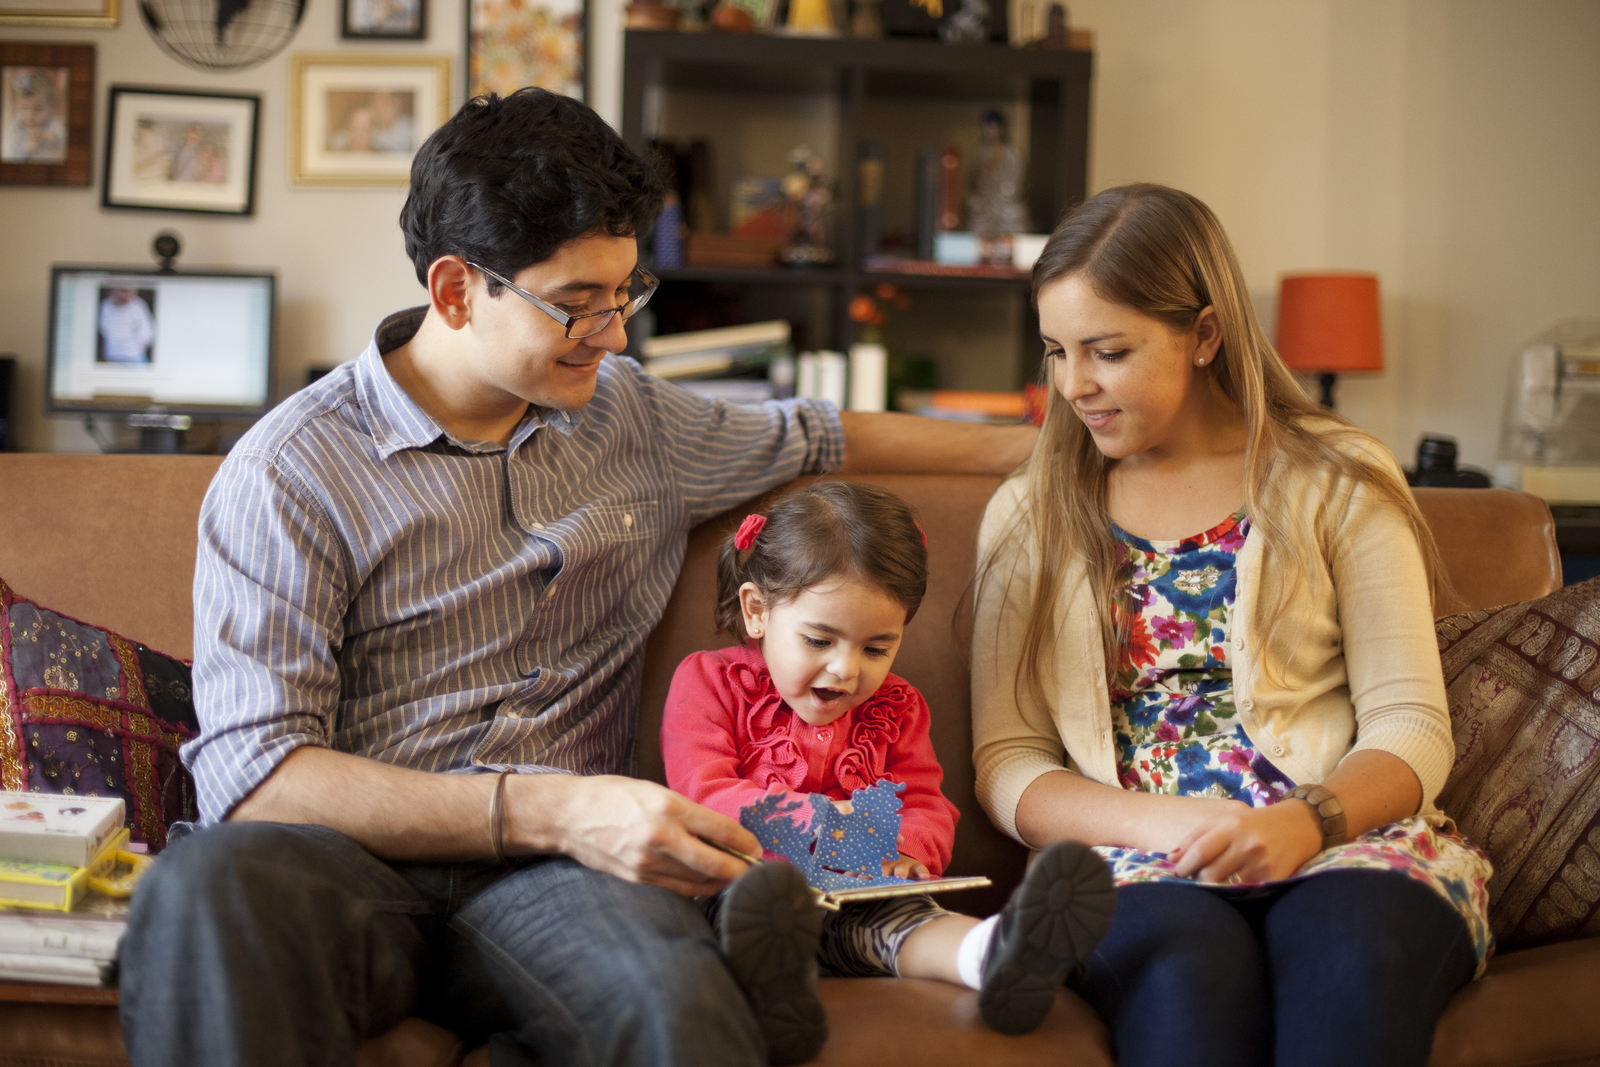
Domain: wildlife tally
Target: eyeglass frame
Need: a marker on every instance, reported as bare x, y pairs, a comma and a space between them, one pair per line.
566, 320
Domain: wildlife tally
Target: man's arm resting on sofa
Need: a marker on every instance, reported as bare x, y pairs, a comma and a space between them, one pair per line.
895, 443
633, 829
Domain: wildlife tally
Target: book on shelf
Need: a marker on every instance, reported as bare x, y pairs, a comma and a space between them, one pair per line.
968, 405
56, 828
902, 265
56, 886
722, 352
732, 390
720, 338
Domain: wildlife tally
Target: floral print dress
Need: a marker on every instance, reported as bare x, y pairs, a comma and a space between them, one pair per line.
1178, 732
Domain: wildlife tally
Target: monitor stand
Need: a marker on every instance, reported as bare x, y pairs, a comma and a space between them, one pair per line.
160, 433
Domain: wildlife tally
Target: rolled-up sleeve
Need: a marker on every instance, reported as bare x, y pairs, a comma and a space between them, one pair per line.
723, 454
271, 592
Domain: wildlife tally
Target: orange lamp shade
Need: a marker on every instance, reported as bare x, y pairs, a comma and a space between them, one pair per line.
1329, 323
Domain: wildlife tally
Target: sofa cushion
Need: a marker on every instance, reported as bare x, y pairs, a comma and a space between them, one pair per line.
1524, 691
87, 711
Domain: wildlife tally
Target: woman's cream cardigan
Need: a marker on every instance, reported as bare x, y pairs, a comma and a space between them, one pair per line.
1355, 664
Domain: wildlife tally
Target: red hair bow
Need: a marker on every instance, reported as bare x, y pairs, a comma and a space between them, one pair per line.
749, 530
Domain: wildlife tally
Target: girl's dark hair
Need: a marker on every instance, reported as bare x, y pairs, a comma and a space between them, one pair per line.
510, 179
820, 532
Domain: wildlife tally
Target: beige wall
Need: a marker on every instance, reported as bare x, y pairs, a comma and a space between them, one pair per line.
1449, 145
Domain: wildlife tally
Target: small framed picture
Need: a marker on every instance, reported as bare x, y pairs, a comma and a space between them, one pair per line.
358, 120
514, 43
76, 13
179, 150
46, 105
394, 20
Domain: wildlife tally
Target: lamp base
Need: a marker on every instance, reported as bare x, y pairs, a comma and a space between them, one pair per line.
1326, 381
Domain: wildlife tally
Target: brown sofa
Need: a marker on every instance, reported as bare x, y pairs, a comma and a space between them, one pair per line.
111, 540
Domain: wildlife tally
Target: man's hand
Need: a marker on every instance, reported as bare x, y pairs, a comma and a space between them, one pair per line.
633, 829
1254, 844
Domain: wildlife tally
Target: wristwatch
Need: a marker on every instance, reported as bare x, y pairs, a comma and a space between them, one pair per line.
1328, 809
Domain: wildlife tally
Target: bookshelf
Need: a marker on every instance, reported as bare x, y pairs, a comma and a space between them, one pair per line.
755, 97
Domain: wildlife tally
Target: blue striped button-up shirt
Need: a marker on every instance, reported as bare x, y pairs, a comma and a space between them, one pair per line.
368, 584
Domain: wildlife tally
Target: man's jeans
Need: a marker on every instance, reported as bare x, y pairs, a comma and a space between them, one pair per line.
263, 943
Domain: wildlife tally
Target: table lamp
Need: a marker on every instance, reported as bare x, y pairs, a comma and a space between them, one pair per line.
1329, 324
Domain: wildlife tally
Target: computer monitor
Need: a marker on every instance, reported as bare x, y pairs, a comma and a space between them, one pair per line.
159, 347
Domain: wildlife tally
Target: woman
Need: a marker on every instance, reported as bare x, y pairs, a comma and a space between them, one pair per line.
1204, 645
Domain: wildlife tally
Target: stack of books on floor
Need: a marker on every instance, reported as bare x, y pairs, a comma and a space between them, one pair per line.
53, 926
744, 364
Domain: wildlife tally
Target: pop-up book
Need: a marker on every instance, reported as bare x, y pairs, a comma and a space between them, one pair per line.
843, 855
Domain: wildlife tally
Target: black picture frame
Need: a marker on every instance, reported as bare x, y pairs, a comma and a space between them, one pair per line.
181, 150
383, 20
65, 73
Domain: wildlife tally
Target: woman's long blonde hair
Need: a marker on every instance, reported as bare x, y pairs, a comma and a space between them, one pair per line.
1162, 252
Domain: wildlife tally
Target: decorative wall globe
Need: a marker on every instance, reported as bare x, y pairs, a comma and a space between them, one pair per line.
221, 34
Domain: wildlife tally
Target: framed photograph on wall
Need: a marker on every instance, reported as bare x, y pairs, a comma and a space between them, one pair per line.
79, 13
181, 150
46, 110
514, 43
357, 119
389, 20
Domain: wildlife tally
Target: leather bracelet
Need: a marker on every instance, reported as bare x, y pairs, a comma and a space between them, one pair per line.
1328, 809
497, 818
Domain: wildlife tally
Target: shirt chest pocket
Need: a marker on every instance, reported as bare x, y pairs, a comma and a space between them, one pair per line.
615, 524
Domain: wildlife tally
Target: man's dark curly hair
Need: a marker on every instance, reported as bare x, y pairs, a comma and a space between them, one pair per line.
509, 180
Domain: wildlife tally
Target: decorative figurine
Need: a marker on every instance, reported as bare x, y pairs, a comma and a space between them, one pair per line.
811, 18
805, 188
866, 20
995, 209
968, 25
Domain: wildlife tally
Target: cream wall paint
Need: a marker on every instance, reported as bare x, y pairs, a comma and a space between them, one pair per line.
338, 252
1449, 145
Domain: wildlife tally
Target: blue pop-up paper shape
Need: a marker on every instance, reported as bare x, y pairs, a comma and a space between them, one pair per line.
833, 850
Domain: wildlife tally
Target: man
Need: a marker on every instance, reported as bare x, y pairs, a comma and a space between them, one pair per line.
438, 566
126, 327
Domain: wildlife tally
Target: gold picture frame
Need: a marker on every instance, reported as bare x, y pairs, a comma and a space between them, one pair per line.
357, 119
77, 13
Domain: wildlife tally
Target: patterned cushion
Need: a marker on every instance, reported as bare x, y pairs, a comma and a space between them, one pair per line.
86, 711
1524, 686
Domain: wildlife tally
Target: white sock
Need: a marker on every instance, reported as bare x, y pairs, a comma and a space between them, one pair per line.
974, 950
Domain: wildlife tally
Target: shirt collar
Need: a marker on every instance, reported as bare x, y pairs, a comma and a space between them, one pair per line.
398, 422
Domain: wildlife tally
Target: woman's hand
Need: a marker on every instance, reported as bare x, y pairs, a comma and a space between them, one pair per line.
1254, 844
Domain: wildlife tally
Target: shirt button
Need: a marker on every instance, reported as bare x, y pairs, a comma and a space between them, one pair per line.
537, 525
1248, 704
1277, 750
627, 520
1238, 642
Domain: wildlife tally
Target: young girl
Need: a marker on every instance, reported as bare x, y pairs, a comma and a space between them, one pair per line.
819, 591
1205, 644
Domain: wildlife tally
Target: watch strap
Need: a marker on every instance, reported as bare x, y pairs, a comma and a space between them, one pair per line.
1328, 809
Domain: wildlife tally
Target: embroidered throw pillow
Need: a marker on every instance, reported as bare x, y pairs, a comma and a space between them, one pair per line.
1524, 690
85, 711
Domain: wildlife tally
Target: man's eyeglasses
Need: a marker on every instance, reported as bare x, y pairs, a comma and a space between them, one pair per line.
641, 287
